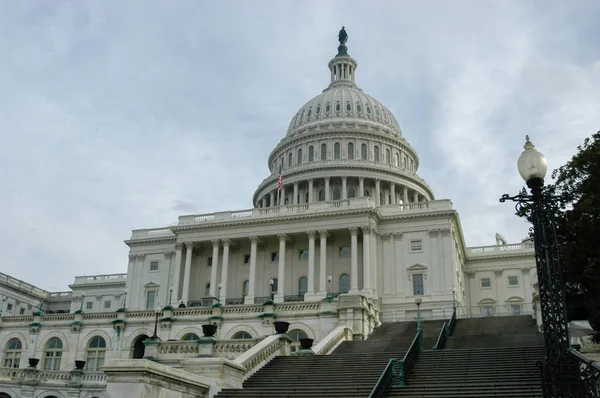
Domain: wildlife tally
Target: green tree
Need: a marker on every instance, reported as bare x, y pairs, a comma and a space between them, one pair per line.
578, 225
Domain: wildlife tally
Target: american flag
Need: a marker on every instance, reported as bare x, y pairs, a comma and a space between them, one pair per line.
280, 179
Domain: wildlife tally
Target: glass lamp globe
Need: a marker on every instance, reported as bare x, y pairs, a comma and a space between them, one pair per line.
532, 163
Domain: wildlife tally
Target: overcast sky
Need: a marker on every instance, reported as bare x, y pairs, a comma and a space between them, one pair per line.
120, 115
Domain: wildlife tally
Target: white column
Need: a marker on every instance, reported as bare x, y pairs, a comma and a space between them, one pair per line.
404, 195
177, 274
295, 198
310, 190
378, 192
366, 259
400, 284
128, 282
214, 268
282, 196
186, 273
310, 291
416, 197
252, 275
393, 190
344, 191
272, 199
326, 188
138, 294
263, 203
361, 187
223, 293
323, 264
280, 296
353, 260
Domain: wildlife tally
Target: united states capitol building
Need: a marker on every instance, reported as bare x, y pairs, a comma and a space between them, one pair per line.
348, 241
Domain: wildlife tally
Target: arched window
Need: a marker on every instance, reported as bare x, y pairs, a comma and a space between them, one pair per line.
363, 151
376, 153
139, 348
336, 193
344, 283
96, 353
242, 335
396, 163
311, 153
190, 336
302, 285
296, 335
404, 162
53, 354
299, 158
336, 150
290, 159
207, 289
350, 150
351, 193
323, 151
321, 195
12, 356
388, 159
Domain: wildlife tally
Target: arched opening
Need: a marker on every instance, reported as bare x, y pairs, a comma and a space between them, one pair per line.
95, 354
242, 335
350, 150
207, 289
323, 151
376, 153
302, 285
139, 348
336, 193
296, 335
321, 195
336, 150
311, 153
351, 193
290, 159
190, 337
53, 354
4, 395
245, 285
299, 158
12, 354
363, 151
388, 158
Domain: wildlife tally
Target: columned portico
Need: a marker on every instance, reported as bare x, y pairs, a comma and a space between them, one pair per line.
224, 269
214, 268
177, 274
353, 260
249, 299
280, 295
367, 288
186, 273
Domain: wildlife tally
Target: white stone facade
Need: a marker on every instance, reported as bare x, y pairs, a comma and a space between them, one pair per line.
351, 239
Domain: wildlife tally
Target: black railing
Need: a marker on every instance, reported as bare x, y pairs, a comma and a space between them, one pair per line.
234, 301
385, 382
299, 297
589, 372
452, 323
194, 303
406, 364
441, 341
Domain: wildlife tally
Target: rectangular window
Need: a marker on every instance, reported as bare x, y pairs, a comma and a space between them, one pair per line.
303, 255
418, 288
416, 245
150, 296
513, 281
107, 305
486, 283
22, 311
345, 251
209, 262
153, 265
9, 307
274, 256
89, 305
246, 259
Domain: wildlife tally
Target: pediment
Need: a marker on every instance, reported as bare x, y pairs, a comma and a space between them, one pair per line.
151, 285
417, 267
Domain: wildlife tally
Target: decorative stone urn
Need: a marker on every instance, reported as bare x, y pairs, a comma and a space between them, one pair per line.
281, 327
33, 362
209, 330
306, 344
79, 365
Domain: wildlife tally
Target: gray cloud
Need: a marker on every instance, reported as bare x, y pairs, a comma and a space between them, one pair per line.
124, 115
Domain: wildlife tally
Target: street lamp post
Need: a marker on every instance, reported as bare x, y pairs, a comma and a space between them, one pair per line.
220, 286
559, 375
125, 298
170, 295
329, 279
454, 299
80, 304
271, 283
418, 301
157, 310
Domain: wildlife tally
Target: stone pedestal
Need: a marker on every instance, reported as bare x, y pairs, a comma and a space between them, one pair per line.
140, 378
206, 346
151, 351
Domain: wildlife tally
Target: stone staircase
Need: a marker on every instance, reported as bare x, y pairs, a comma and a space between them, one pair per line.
352, 370
474, 373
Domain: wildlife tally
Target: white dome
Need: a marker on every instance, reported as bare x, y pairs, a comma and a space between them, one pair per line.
343, 102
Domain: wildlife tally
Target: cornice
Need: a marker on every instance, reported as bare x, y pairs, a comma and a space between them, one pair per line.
96, 285
166, 239
504, 255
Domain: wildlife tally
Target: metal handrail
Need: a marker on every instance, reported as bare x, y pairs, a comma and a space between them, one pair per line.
452, 323
589, 372
406, 364
441, 341
385, 381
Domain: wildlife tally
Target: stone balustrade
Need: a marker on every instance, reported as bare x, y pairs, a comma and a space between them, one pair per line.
100, 279
523, 247
259, 355
332, 340
23, 286
50, 376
